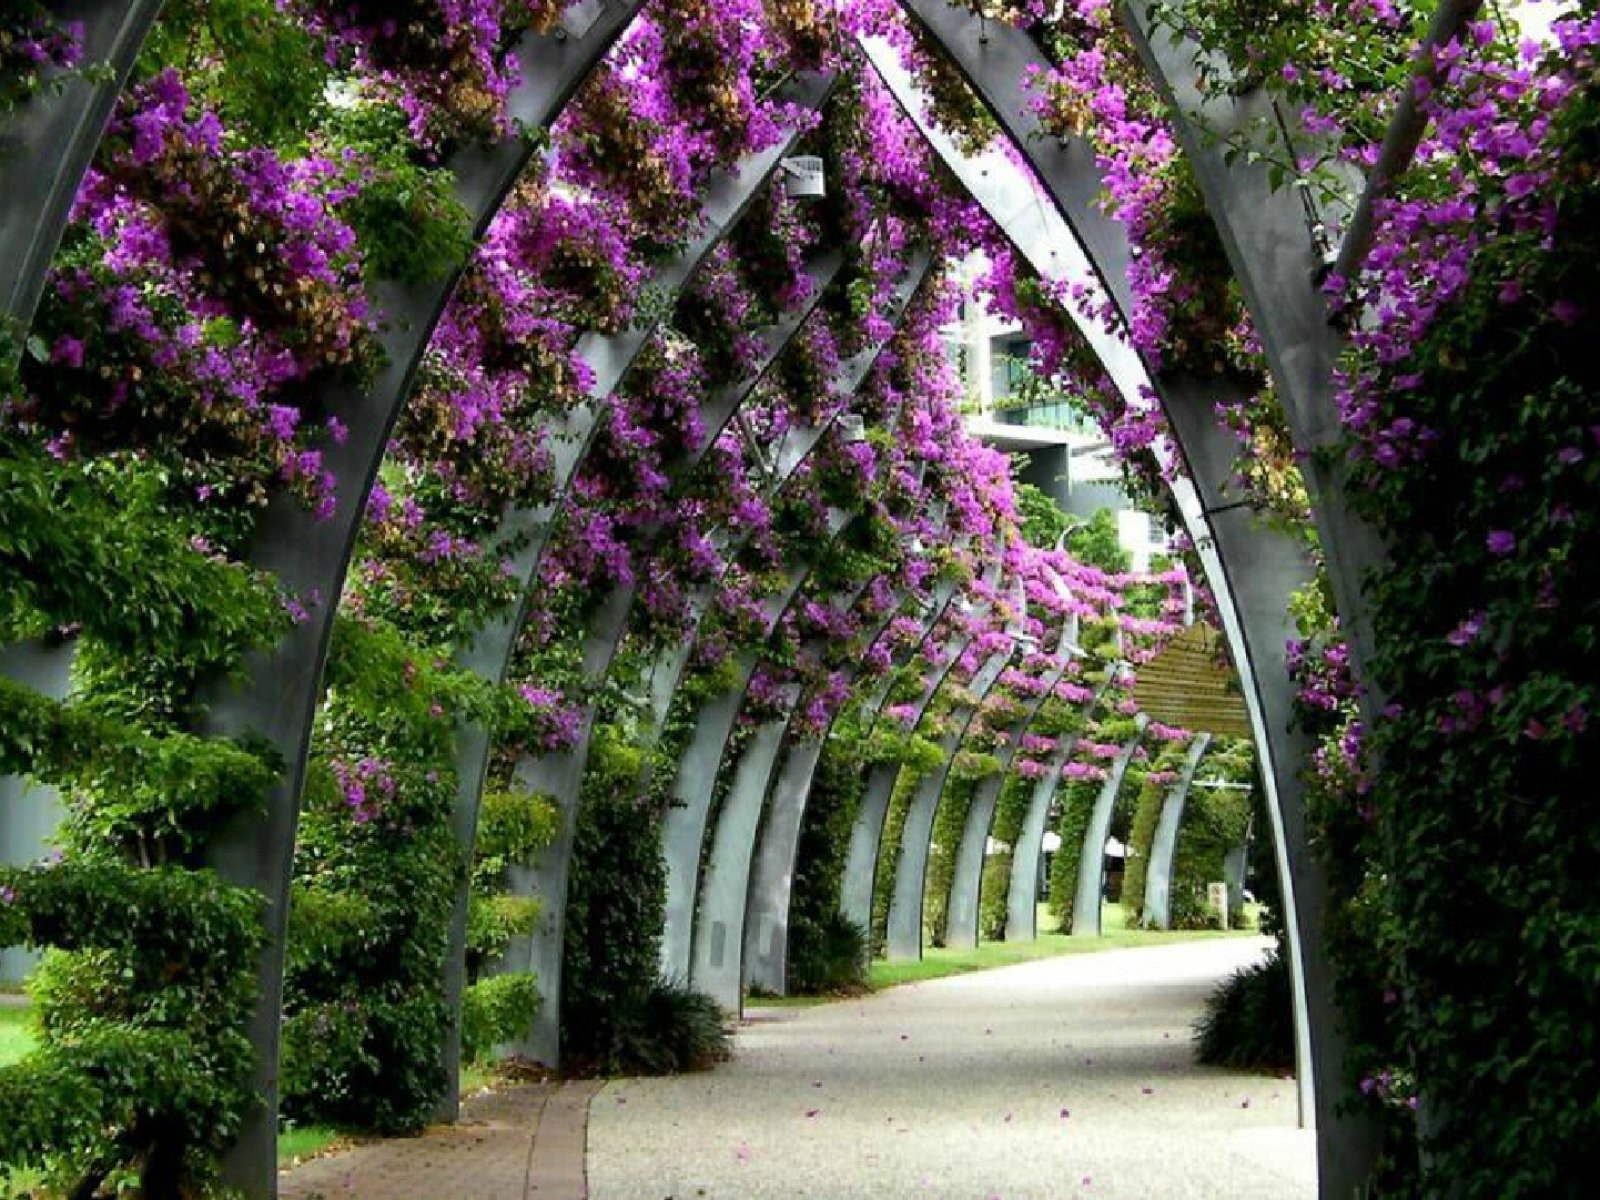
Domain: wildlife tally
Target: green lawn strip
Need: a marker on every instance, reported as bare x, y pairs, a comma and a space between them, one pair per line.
939, 962
16, 1034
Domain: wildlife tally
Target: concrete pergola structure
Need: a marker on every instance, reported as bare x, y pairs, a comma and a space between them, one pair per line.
1164, 845
1262, 232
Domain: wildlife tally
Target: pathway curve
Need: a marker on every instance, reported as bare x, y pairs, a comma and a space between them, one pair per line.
1064, 1077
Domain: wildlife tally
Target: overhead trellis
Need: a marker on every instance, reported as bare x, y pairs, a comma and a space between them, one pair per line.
229, 339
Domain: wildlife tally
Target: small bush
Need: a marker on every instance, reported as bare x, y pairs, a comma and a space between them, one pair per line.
665, 1030
497, 1010
1249, 1019
831, 958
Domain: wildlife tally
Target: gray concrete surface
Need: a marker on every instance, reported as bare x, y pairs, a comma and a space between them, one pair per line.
1064, 1077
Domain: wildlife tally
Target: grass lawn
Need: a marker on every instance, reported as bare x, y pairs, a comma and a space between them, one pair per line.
937, 962
16, 1035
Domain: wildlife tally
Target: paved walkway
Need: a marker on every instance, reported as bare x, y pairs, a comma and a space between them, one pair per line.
523, 1143
1064, 1077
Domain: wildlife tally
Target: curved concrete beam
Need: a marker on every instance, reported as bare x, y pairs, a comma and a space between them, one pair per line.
766, 922
1092, 857
30, 813
1264, 232
723, 911
866, 833
1164, 845
685, 826
277, 700
904, 935
1027, 856
609, 358
716, 968
48, 143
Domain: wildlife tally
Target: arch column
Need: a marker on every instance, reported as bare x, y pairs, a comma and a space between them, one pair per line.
866, 834
1022, 897
694, 786
1164, 845
723, 909
277, 699
684, 829
1092, 858
49, 142
30, 813
904, 935
1264, 233
718, 931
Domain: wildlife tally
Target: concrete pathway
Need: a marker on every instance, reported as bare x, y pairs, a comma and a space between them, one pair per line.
1064, 1077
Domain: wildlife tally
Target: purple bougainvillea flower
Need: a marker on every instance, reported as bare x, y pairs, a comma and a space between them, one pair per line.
1501, 542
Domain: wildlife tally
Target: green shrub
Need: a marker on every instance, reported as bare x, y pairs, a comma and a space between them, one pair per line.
497, 1010
492, 921
365, 1062
662, 1030
831, 959
1249, 1019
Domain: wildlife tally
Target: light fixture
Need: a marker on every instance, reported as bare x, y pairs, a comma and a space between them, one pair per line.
851, 427
803, 177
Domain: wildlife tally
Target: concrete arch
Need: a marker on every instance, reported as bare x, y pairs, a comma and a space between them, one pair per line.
724, 887
1251, 569
561, 775
52, 139
606, 630
1164, 845
966, 880
1027, 856
277, 699
1092, 856
685, 827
